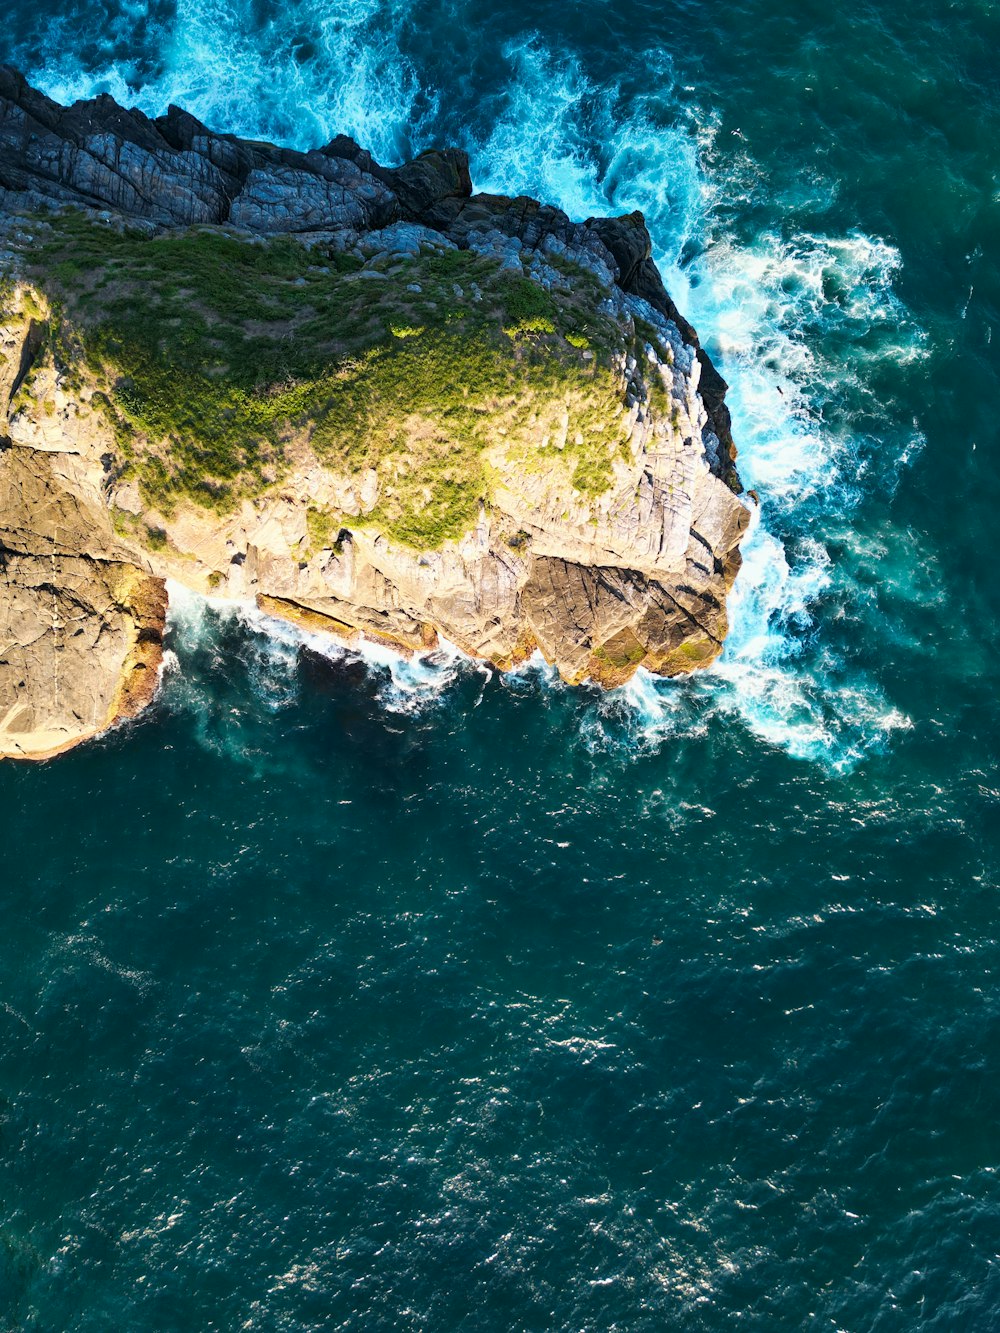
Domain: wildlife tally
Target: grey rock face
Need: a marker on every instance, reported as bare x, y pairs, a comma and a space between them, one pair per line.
173, 170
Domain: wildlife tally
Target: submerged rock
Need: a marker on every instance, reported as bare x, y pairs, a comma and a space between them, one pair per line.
511, 438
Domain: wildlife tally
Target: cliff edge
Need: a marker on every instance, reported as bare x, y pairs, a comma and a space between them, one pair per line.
376, 402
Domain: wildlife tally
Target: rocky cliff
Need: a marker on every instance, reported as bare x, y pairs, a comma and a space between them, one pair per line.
374, 401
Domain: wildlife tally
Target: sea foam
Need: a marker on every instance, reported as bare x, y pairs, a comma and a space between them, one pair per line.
800, 322
403, 682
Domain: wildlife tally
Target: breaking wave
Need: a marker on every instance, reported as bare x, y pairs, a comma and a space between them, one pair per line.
803, 324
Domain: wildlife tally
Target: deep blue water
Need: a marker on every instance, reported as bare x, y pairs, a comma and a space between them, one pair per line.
355, 994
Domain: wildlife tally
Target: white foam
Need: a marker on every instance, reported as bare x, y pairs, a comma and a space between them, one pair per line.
798, 320
310, 72
405, 682
563, 139
408, 682
798, 323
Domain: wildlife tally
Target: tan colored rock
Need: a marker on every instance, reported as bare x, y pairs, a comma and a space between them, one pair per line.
636, 576
81, 631
81, 620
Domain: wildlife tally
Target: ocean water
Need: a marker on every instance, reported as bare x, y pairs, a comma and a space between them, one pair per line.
353, 993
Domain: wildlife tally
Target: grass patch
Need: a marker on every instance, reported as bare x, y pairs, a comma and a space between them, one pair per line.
321, 528
622, 651
212, 353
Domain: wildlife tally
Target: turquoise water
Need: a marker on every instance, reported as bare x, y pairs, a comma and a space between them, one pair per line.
345, 993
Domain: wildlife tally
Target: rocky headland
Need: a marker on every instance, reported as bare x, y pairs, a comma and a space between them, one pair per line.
374, 401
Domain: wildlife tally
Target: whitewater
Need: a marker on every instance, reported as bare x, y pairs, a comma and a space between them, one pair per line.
800, 323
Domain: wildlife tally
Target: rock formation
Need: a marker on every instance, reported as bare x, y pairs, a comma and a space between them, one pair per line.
367, 397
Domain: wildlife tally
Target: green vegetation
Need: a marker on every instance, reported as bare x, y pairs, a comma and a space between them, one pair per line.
321, 525
216, 356
659, 395
32, 309
623, 650
125, 525
528, 307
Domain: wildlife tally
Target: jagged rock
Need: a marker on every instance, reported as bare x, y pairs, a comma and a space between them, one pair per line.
172, 170
428, 180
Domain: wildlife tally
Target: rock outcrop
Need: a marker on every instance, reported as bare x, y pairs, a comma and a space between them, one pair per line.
436, 413
81, 624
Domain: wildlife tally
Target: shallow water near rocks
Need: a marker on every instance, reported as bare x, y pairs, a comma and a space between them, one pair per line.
354, 993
